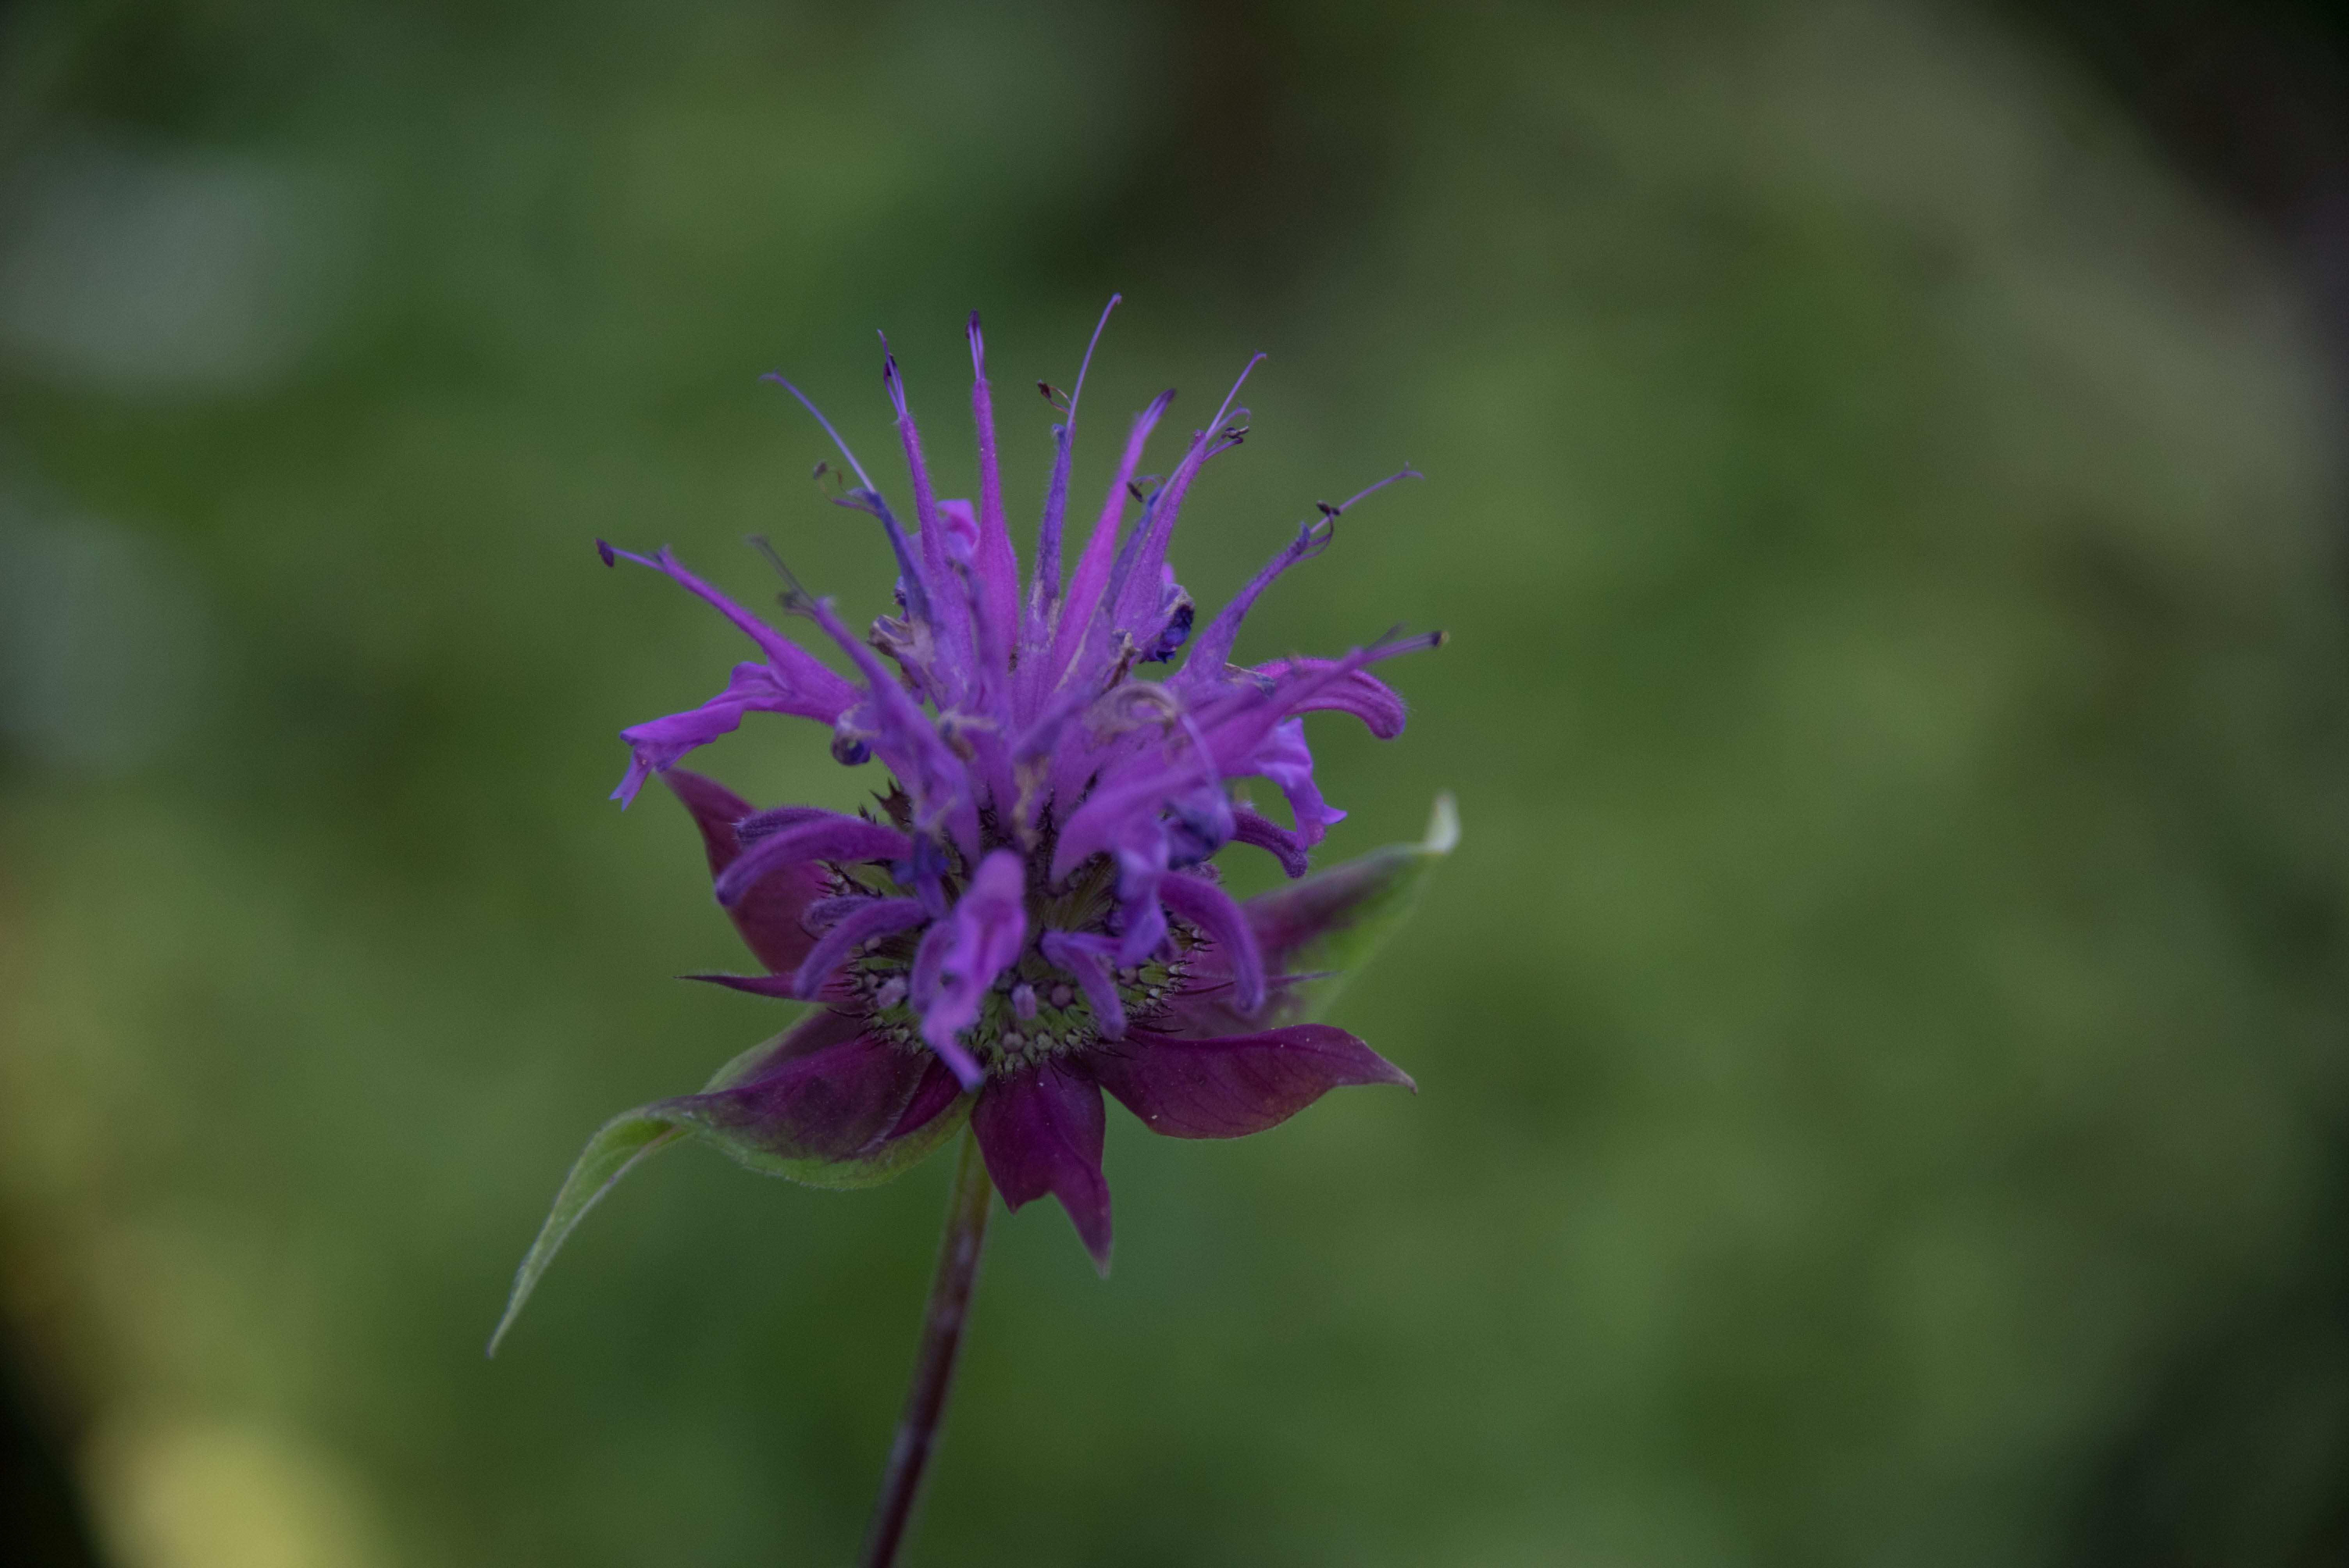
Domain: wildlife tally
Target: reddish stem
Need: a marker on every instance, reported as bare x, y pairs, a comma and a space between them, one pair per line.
959, 1250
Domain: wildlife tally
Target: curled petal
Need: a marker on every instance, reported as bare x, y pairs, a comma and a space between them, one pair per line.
1250, 826
879, 918
905, 737
1042, 1131
1209, 653
1107, 815
764, 824
797, 674
1357, 692
1237, 1085
770, 917
657, 745
1141, 871
1285, 760
831, 837
1086, 957
1211, 909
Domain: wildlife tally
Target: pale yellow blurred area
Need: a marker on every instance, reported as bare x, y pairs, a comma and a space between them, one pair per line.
182, 1492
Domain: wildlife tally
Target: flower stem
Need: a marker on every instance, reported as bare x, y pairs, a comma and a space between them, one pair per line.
934, 1369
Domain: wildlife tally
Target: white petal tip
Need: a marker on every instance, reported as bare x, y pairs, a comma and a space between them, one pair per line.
1443, 826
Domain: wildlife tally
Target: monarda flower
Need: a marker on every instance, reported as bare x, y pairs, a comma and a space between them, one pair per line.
1031, 913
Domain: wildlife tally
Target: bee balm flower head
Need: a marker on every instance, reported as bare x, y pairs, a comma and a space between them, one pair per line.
1031, 913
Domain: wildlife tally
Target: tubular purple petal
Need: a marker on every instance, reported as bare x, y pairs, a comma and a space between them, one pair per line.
1086, 957
1211, 909
1157, 529
1214, 649
1044, 586
765, 824
867, 498
998, 562
880, 917
797, 676
906, 739
770, 917
1080, 612
831, 837
1284, 759
1357, 692
947, 609
961, 957
1250, 826
657, 745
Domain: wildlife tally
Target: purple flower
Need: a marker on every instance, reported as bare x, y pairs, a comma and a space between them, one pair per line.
1032, 914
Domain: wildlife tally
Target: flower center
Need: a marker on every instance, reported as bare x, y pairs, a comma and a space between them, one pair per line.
1035, 1010
1052, 1019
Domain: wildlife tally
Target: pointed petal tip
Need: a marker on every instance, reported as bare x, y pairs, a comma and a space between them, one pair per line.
1443, 825
779, 987
967, 1071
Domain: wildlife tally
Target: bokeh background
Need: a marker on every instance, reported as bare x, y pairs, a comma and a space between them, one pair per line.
1881, 1040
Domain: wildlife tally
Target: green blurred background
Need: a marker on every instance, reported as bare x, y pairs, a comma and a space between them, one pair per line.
1881, 1039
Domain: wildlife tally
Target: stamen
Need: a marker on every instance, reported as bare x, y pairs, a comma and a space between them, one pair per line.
1044, 584
1405, 473
1091, 344
863, 477
795, 593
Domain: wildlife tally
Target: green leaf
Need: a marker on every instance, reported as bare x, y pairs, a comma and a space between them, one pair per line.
618, 1146
1329, 924
628, 1140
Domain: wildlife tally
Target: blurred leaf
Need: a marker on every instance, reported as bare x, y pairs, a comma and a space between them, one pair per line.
633, 1136
1331, 924
618, 1146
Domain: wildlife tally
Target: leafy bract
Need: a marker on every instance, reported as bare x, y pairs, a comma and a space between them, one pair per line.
1320, 931
632, 1137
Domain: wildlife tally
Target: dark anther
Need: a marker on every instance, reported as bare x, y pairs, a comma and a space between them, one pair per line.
1327, 511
